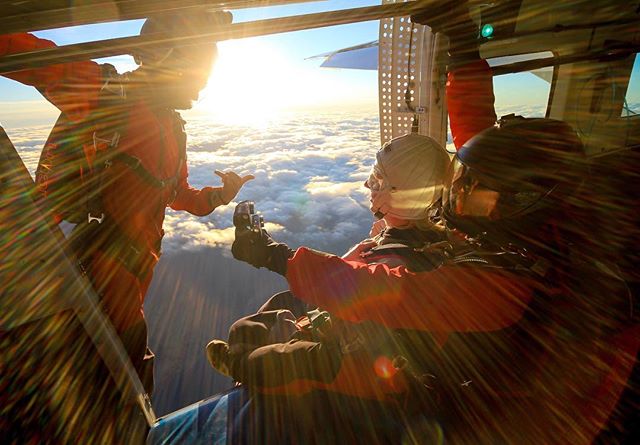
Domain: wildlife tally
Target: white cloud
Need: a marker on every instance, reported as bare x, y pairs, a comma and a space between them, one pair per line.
29, 142
309, 172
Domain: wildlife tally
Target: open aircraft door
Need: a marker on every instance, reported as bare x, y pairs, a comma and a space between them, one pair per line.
411, 80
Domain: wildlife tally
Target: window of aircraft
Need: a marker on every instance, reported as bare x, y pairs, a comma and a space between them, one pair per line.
525, 94
632, 99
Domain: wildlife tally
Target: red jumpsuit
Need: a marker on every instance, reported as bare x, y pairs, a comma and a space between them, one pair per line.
563, 394
441, 300
136, 208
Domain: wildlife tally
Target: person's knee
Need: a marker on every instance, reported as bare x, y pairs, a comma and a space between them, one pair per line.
283, 328
251, 332
285, 300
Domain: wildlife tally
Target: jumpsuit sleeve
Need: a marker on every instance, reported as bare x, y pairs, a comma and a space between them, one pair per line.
470, 101
448, 299
72, 87
199, 202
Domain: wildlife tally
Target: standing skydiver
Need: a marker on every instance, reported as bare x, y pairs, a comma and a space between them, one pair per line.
127, 126
528, 342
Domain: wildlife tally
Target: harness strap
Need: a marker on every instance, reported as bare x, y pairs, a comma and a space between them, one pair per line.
108, 121
415, 259
97, 181
135, 164
110, 240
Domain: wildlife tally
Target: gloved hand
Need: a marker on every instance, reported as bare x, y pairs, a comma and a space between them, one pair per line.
260, 250
451, 17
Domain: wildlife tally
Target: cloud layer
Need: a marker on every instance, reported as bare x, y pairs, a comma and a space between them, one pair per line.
309, 173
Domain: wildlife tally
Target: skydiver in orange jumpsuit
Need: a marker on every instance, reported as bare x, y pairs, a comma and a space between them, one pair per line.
149, 170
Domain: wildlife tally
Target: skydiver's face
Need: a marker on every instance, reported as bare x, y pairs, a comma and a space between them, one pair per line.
375, 184
374, 181
467, 196
182, 75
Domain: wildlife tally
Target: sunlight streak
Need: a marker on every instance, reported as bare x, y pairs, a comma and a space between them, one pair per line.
249, 84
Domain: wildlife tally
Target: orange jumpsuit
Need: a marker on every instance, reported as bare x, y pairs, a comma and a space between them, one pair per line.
134, 209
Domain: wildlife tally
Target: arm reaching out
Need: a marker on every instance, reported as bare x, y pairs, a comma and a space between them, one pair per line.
72, 87
470, 99
202, 202
448, 299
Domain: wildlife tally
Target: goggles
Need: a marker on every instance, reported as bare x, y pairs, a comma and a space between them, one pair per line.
468, 193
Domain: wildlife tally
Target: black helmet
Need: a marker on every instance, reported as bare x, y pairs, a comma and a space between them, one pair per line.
513, 176
177, 24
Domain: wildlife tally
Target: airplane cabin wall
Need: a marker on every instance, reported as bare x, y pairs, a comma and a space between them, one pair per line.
588, 95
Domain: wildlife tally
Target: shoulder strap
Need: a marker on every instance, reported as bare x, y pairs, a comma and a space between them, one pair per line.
413, 258
516, 260
108, 122
180, 134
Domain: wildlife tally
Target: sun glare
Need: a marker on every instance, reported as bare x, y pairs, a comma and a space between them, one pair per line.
250, 83
254, 83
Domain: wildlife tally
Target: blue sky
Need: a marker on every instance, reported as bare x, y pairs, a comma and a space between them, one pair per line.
293, 48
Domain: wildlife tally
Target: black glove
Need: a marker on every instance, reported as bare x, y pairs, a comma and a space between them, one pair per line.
452, 18
260, 250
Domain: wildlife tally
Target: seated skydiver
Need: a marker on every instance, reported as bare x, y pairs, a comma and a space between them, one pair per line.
529, 346
286, 341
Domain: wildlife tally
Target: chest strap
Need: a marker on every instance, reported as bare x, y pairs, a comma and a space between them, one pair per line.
135, 164
111, 138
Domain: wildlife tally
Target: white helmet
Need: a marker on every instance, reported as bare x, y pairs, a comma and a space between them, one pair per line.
407, 177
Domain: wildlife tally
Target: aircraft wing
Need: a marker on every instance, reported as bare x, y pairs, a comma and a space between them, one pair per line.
365, 57
359, 57
545, 74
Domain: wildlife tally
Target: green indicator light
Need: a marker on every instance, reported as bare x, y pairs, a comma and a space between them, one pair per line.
487, 31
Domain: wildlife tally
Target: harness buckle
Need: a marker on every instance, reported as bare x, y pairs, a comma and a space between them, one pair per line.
91, 218
134, 162
115, 140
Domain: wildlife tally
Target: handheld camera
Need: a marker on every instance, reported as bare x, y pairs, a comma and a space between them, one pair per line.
246, 218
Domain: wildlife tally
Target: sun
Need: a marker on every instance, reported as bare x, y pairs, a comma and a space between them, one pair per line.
249, 83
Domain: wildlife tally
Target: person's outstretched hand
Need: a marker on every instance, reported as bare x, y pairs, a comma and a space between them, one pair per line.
231, 184
260, 250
